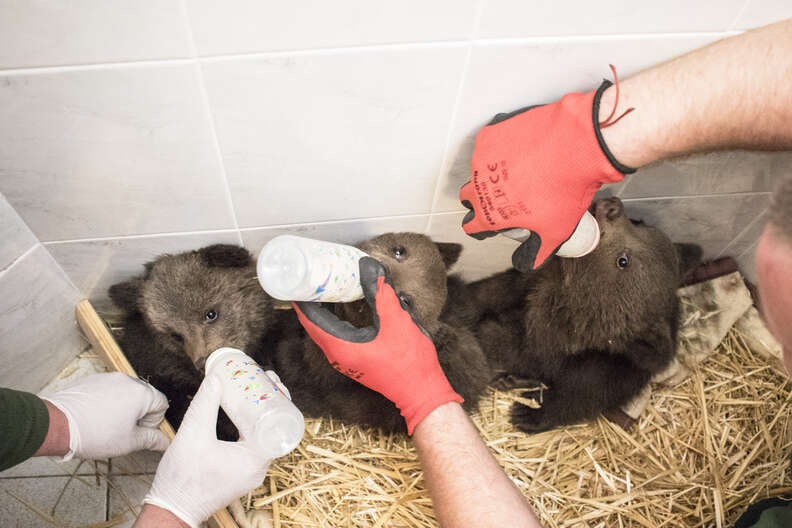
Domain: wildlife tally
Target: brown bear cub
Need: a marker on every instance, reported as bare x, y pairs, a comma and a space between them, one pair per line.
593, 329
418, 268
185, 306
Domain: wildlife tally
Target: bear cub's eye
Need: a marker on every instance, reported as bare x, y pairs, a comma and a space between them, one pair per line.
210, 316
405, 300
178, 337
623, 261
399, 252
636, 222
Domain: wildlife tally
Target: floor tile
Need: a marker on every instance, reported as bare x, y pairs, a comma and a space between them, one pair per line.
126, 496
52, 467
136, 463
83, 501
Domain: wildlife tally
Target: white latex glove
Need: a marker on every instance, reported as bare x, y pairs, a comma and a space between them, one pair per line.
200, 474
111, 415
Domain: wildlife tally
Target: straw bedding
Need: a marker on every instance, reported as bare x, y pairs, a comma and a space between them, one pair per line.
701, 452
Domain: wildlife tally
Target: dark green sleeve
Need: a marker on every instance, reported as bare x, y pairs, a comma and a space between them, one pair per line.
775, 517
24, 422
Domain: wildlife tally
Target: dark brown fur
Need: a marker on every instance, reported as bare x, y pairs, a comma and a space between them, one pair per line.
167, 334
592, 332
418, 268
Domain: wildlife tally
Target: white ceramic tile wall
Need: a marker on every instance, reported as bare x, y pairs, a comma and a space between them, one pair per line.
15, 235
110, 151
38, 334
505, 76
518, 18
95, 265
131, 128
761, 12
52, 32
312, 137
240, 26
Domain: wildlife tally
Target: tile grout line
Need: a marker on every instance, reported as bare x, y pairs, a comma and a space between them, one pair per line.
627, 181
142, 235
748, 249
20, 258
212, 123
759, 217
549, 39
345, 220
693, 196
445, 163
241, 229
739, 15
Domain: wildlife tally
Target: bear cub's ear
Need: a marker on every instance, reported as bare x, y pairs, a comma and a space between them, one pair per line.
689, 257
225, 256
450, 252
125, 294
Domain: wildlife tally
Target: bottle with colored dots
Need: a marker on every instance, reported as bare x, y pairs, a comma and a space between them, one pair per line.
255, 401
292, 268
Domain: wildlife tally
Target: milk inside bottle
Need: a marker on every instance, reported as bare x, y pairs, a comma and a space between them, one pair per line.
292, 268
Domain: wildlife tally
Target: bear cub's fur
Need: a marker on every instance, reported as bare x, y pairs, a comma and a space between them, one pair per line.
593, 329
185, 306
418, 268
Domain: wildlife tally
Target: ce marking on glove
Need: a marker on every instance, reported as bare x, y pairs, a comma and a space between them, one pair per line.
349, 372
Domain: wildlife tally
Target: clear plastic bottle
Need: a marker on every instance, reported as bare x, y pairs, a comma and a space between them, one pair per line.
292, 268
262, 413
583, 241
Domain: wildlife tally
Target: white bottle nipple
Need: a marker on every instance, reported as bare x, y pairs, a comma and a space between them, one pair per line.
585, 238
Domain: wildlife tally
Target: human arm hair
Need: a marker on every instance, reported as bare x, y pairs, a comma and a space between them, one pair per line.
467, 486
733, 93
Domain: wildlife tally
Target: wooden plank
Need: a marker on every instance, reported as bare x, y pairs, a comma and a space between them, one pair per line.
105, 345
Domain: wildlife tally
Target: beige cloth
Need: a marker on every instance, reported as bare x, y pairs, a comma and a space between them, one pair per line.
707, 311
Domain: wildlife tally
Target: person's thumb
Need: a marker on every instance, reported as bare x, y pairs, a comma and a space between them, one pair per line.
151, 439
202, 413
531, 254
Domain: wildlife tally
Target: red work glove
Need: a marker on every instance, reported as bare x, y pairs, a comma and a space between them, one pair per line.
538, 168
394, 357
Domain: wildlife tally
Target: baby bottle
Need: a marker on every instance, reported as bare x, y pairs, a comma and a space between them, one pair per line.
583, 241
292, 268
262, 413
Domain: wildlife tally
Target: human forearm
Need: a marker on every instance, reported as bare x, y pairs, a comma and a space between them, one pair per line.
734, 93
56, 443
467, 485
154, 516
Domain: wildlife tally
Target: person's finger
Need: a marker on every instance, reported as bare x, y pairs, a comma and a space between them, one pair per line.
151, 439
471, 224
201, 415
533, 254
371, 270
153, 412
318, 320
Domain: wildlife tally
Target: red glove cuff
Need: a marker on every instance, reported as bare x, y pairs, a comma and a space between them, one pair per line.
539, 170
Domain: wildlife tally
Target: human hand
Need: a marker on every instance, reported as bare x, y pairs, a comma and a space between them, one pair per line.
200, 474
111, 415
393, 357
538, 168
